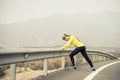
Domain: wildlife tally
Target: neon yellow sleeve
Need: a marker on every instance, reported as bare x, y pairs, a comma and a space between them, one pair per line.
68, 44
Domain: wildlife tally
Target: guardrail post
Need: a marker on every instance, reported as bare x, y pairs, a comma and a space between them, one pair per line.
45, 66
100, 58
108, 58
75, 57
104, 58
63, 63
93, 57
13, 71
84, 60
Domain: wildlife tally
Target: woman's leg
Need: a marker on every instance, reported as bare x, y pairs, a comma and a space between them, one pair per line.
84, 53
73, 53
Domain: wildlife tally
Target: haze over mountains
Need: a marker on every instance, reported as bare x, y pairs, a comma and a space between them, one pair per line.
96, 30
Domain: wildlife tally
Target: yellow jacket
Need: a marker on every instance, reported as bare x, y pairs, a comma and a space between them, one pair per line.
72, 41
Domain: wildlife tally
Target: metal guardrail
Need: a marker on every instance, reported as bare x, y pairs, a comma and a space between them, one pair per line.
13, 56
100, 53
21, 55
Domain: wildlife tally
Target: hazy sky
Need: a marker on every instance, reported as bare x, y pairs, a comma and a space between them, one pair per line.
35, 23
12, 11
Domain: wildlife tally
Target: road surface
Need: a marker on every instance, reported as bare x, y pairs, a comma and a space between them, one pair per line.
110, 73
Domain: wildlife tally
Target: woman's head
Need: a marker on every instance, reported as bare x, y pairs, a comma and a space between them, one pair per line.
66, 37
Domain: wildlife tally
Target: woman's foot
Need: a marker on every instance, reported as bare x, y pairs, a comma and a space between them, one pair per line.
72, 68
92, 69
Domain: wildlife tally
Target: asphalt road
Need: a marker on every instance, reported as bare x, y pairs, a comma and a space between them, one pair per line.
110, 73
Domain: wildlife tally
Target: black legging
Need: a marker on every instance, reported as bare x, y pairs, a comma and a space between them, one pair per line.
83, 52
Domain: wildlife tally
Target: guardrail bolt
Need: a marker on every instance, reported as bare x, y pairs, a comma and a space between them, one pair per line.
26, 56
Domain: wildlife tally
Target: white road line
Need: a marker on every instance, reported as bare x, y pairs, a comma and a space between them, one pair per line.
93, 74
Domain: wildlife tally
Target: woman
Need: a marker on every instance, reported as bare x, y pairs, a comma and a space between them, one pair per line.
80, 47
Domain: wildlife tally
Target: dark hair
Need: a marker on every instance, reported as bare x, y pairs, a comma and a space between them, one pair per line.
63, 37
66, 35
